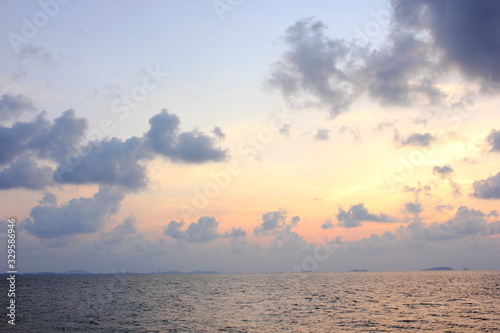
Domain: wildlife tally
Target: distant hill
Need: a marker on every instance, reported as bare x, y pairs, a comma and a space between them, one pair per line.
77, 272
193, 272
438, 269
359, 270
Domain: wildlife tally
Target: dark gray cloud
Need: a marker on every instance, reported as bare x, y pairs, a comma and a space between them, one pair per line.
444, 171
488, 188
414, 139
466, 32
53, 140
173, 230
85, 160
427, 41
493, 140
112, 162
12, 106
315, 65
16, 138
327, 225
25, 173
77, 216
41, 137
401, 73
204, 230
276, 222
322, 135
354, 217
414, 208
164, 138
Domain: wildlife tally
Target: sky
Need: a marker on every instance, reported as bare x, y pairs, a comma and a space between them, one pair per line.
250, 136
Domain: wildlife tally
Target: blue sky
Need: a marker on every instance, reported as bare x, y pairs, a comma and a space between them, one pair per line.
249, 135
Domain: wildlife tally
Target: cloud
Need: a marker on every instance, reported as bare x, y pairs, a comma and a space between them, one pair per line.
204, 230
173, 230
16, 138
41, 137
327, 225
217, 131
165, 139
446, 172
77, 216
82, 159
414, 208
465, 222
117, 235
235, 232
276, 222
493, 139
488, 188
443, 207
322, 135
12, 106
465, 32
414, 139
427, 41
315, 65
443, 171
110, 162
401, 72
354, 217
25, 173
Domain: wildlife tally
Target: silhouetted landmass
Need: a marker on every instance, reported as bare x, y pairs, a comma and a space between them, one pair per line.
466, 269
193, 272
360, 270
438, 269
77, 272
82, 272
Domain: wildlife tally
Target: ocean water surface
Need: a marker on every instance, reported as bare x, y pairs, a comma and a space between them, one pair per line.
432, 301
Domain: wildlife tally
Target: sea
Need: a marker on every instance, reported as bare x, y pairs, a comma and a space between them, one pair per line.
424, 301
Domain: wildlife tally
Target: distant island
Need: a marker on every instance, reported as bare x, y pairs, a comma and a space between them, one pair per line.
438, 269
360, 270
